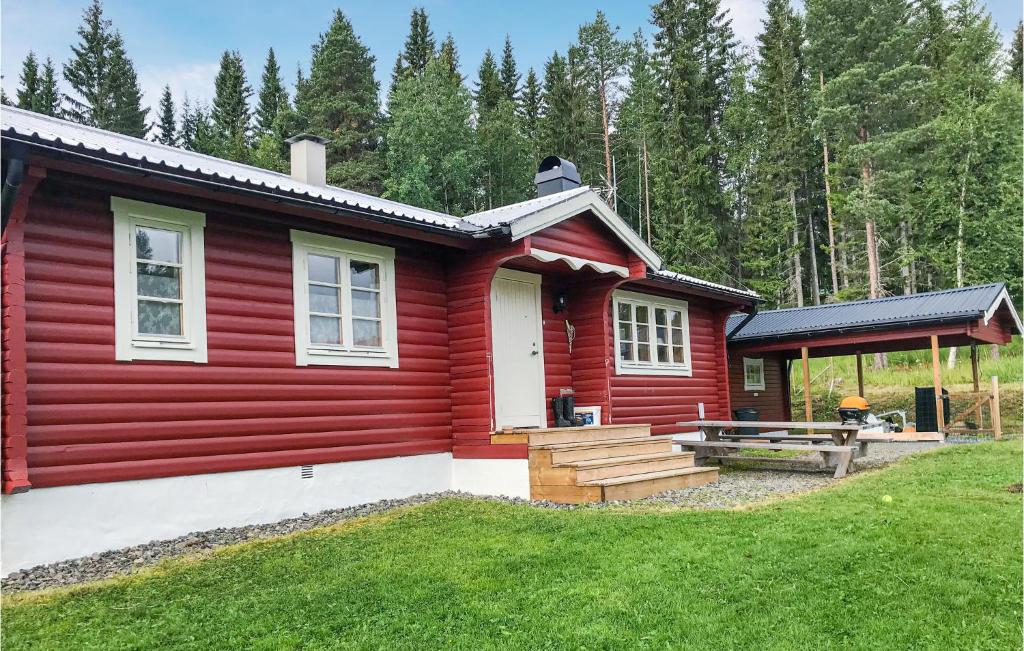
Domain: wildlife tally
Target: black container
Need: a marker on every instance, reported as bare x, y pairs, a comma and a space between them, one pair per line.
746, 413
924, 409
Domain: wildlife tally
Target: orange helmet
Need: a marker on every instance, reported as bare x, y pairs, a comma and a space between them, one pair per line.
854, 402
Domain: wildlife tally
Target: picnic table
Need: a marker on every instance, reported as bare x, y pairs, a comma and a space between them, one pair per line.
836, 449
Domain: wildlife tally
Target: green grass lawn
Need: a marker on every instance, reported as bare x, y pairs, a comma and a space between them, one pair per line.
938, 566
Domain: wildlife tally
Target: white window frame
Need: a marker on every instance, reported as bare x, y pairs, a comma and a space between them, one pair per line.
129, 345
752, 363
346, 354
653, 367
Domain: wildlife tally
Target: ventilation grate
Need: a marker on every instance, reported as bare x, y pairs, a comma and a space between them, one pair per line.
307, 472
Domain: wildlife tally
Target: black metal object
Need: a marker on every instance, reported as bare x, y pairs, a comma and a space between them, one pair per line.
750, 315
565, 412
556, 175
561, 301
925, 416
748, 414
12, 182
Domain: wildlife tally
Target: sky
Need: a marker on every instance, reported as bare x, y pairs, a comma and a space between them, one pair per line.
180, 42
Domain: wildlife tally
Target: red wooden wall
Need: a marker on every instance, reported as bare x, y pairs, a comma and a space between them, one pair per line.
584, 236
772, 403
93, 419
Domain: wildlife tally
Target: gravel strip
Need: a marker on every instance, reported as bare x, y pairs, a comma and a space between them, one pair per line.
734, 488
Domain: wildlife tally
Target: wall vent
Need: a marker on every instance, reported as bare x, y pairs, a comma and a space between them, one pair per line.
307, 472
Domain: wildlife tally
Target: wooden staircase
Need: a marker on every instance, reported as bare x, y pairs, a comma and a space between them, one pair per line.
572, 465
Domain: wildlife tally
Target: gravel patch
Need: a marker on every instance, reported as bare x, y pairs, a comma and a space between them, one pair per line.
734, 488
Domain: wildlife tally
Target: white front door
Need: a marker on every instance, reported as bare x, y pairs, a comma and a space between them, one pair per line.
517, 338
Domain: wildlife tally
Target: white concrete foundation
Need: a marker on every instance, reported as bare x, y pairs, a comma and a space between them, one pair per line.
508, 477
46, 525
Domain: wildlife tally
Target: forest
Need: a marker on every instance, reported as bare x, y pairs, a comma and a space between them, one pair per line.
861, 148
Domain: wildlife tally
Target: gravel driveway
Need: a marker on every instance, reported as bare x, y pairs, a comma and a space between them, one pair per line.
734, 488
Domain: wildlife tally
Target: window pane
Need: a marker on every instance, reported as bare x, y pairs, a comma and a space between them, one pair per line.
677, 354
158, 280
663, 354
676, 318
626, 352
662, 334
625, 331
643, 333
365, 304
625, 313
366, 333
157, 244
643, 352
324, 299
365, 274
659, 315
159, 318
641, 314
323, 268
324, 330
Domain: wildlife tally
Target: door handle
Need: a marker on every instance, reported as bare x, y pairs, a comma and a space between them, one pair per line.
534, 352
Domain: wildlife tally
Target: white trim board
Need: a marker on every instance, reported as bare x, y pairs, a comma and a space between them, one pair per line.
578, 263
589, 200
1004, 297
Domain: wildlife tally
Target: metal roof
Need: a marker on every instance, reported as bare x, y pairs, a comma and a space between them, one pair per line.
61, 137
705, 284
946, 306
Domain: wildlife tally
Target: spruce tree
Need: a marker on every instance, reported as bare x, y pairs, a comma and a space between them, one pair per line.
603, 58
273, 97
431, 147
509, 71
48, 99
87, 71
29, 81
166, 121
529, 116
1016, 68
634, 141
230, 111
340, 101
489, 89
419, 45
448, 54
125, 113
693, 46
563, 128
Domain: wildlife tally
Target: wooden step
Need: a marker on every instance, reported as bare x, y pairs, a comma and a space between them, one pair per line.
632, 487
569, 452
555, 435
631, 465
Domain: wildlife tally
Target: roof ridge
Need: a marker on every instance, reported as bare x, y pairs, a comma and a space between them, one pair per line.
886, 299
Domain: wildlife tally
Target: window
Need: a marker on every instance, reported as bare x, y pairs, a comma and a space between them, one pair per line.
652, 335
159, 282
753, 374
345, 313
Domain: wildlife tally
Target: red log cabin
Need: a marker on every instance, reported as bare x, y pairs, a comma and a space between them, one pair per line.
192, 343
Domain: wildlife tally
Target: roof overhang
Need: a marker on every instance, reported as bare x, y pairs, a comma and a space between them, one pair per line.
1004, 299
574, 205
576, 263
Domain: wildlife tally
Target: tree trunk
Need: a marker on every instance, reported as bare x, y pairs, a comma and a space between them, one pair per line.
905, 264
951, 362
828, 206
798, 281
647, 192
607, 141
815, 286
871, 244
844, 262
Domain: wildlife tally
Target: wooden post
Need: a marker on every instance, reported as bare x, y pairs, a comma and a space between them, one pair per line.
979, 415
937, 379
860, 375
997, 423
808, 411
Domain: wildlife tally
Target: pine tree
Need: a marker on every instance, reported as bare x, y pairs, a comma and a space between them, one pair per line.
341, 101
509, 72
635, 126
449, 56
529, 116
431, 148
273, 97
166, 121
125, 113
504, 157
603, 58
87, 71
198, 132
419, 46
48, 99
693, 53
563, 130
28, 90
230, 111
489, 90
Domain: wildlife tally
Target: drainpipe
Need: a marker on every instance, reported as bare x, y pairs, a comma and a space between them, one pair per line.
745, 321
12, 183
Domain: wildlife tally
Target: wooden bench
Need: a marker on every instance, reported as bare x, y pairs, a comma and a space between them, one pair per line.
838, 456
861, 445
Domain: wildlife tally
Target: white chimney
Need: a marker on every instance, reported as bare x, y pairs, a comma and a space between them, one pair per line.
309, 158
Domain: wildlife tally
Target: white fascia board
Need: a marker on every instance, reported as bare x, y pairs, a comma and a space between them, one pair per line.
1004, 297
558, 212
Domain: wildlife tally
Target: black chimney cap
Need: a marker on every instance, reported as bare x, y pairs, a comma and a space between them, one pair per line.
307, 136
556, 175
